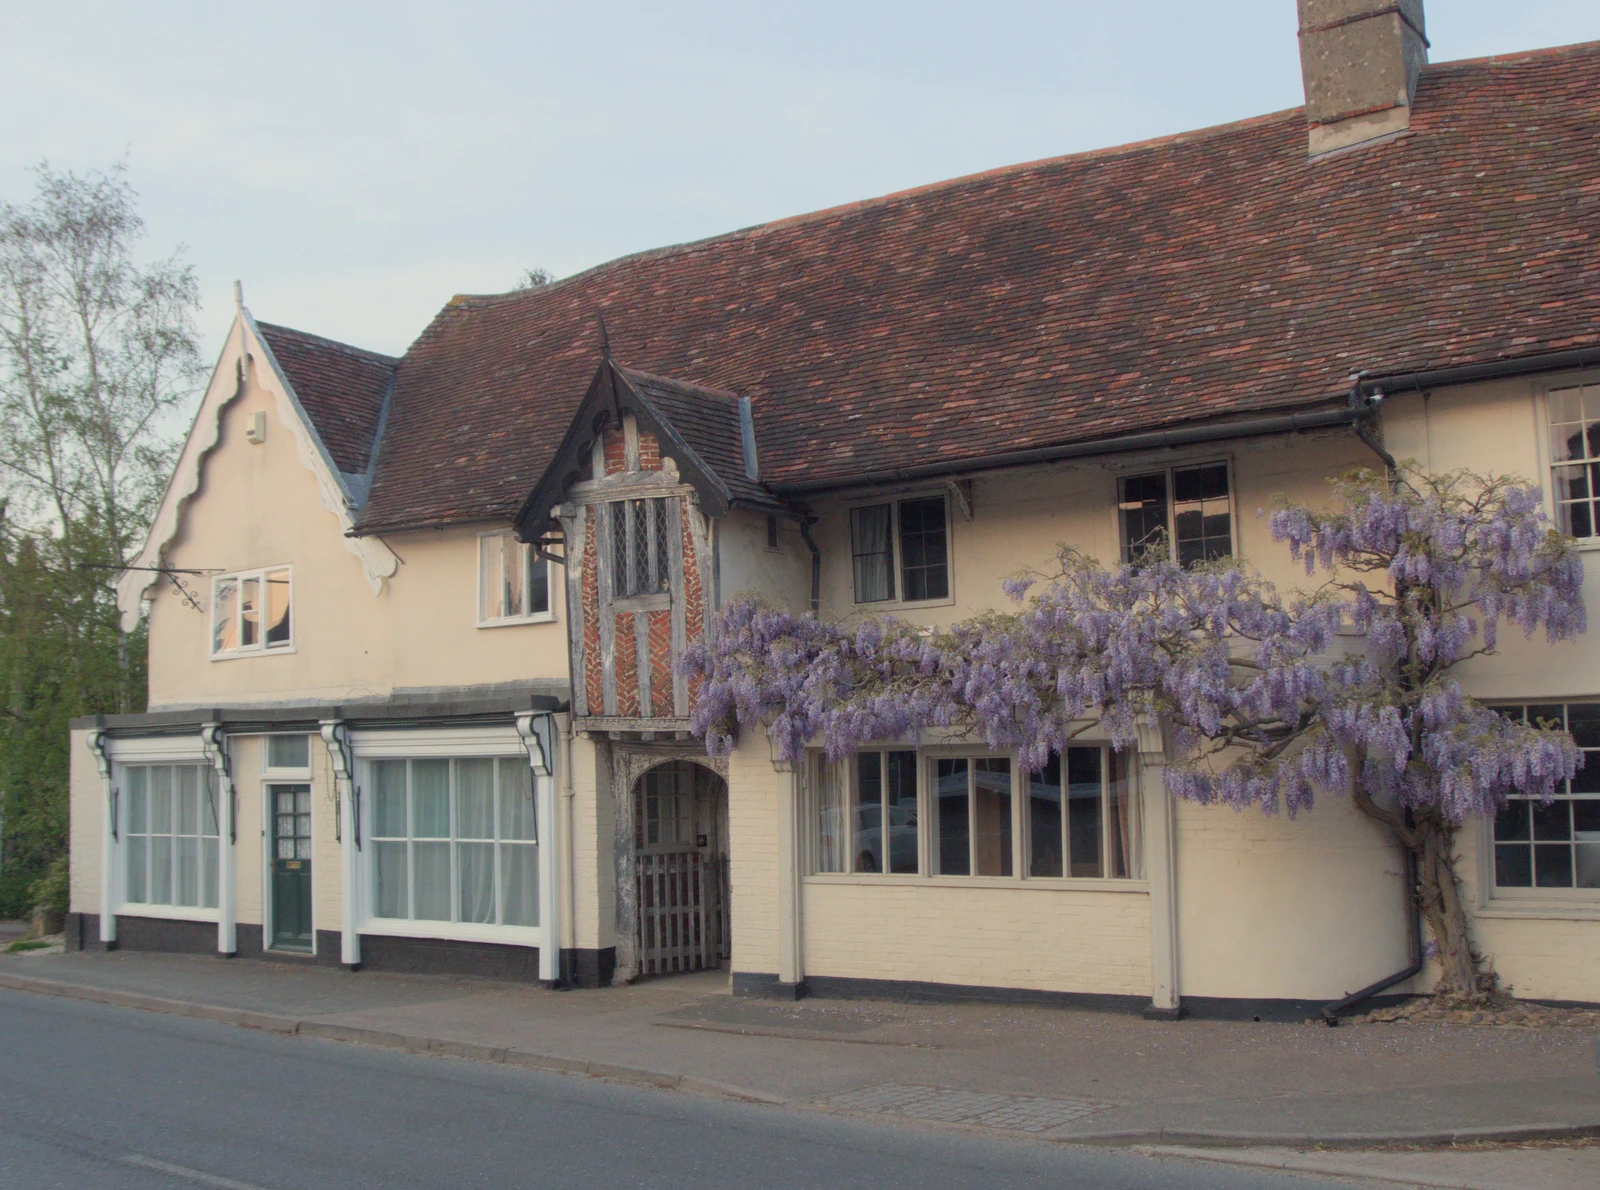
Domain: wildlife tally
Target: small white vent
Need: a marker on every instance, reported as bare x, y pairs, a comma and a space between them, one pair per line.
255, 429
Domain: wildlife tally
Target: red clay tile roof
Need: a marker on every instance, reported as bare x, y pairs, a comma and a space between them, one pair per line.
707, 420
340, 387
1211, 273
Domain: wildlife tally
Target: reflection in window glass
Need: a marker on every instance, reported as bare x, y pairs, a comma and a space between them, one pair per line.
953, 853
924, 572
1142, 509
1575, 458
883, 819
225, 616
1099, 834
1202, 526
251, 612
991, 815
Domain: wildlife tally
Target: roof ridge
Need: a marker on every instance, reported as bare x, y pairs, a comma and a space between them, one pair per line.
1516, 56
325, 341
726, 394
481, 300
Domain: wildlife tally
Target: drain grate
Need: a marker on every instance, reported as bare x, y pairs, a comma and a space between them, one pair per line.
1019, 1113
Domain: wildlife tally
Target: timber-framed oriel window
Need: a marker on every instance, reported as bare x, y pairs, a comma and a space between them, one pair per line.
251, 612
900, 550
942, 813
513, 581
1190, 507
641, 546
1539, 849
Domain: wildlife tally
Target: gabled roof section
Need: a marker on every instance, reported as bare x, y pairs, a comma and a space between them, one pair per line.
343, 390
247, 343
711, 425
701, 429
1213, 274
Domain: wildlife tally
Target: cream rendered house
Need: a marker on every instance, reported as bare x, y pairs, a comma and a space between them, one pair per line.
414, 700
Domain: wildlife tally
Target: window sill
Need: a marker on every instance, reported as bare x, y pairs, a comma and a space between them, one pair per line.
244, 654
1056, 884
519, 621
1587, 545
454, 930
166, 912
1587, 909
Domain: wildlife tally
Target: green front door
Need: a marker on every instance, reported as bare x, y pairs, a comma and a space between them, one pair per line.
291, 867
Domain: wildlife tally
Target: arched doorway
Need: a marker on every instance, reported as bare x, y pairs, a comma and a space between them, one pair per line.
681, 858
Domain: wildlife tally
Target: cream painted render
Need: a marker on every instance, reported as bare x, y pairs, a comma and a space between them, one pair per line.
258, 505
1265, 907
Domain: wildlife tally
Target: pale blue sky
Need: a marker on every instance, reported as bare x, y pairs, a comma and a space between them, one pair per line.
356, 164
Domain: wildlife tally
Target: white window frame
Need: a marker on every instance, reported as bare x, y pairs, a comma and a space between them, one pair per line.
1546, 459
844, 771
133, 752
527, 617
1534, 900
500, 743
261, 648
894, 502
1167, 469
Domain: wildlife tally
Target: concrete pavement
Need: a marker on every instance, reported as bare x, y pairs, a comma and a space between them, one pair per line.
1066, 1076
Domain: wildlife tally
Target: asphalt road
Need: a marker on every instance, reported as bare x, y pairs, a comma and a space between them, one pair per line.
93, 1096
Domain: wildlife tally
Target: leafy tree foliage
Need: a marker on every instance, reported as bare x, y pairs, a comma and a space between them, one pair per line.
1348, 687
97, 355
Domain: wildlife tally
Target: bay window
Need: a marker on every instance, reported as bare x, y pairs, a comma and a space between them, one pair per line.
454, 840
975, 815
169, 835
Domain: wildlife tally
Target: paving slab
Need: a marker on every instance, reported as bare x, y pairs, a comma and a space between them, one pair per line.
1067, 1075
1514, 1168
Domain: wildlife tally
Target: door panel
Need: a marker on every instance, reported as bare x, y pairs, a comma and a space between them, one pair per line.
291, 867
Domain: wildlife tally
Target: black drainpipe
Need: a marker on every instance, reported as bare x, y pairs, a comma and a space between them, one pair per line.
816, 564
1330, 1012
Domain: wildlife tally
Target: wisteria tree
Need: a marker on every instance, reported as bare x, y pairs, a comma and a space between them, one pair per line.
1346, 687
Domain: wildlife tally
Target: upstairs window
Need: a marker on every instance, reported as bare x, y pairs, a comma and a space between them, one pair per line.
1575, 459
904, 546
250, 612
1190, 507
641, 542
513, 581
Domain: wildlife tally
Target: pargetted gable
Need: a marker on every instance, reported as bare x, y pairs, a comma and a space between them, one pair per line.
340, 493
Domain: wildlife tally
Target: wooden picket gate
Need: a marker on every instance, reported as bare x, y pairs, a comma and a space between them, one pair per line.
683, 911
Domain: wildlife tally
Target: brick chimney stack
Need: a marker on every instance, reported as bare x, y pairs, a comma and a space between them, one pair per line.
1360, 60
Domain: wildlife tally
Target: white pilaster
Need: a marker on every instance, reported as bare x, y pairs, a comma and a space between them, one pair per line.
791, 965
1160, 862
536, 730
109, 851
216, 747
335, 735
